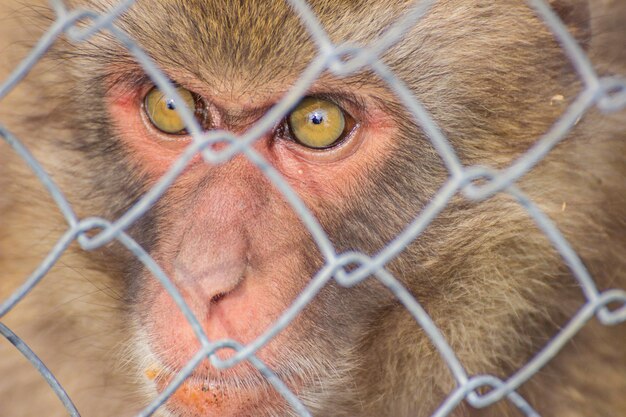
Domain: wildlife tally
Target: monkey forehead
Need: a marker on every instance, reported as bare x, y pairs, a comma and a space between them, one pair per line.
251, 40
259, 45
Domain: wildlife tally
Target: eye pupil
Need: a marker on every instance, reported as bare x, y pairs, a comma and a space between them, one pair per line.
171, 105
317, 118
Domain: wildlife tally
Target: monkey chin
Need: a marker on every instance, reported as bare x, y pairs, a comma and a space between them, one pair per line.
240, 391
233, 394
214, 398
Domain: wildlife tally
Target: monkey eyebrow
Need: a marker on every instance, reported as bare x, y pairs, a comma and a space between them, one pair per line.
127, 75
342, 97
128, 79
132, 78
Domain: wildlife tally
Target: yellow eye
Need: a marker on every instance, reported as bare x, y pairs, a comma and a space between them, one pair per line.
163, 113
317, 123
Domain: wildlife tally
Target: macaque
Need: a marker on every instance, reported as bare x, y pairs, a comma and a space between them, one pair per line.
494, 79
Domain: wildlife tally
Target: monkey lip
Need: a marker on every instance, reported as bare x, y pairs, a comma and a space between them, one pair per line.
204, 396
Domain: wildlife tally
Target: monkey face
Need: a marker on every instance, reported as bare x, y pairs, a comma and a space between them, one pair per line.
229, 239
236, 250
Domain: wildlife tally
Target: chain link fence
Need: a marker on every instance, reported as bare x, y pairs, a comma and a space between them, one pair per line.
606, 93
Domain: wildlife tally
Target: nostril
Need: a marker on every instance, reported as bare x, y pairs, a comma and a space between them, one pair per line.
217, 297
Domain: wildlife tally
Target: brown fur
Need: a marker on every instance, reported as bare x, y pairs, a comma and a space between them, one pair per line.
487, 71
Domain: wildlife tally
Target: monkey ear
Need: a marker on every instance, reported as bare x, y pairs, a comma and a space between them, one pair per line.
576, 15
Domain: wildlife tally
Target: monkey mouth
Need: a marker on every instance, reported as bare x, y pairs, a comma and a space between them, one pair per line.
229, 393
162, 376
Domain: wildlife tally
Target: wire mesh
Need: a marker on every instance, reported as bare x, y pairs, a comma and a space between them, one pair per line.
607, 93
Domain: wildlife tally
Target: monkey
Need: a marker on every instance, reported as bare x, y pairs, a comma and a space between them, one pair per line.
494, 79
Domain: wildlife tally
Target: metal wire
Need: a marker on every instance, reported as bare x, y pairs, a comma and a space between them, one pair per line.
608, 93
